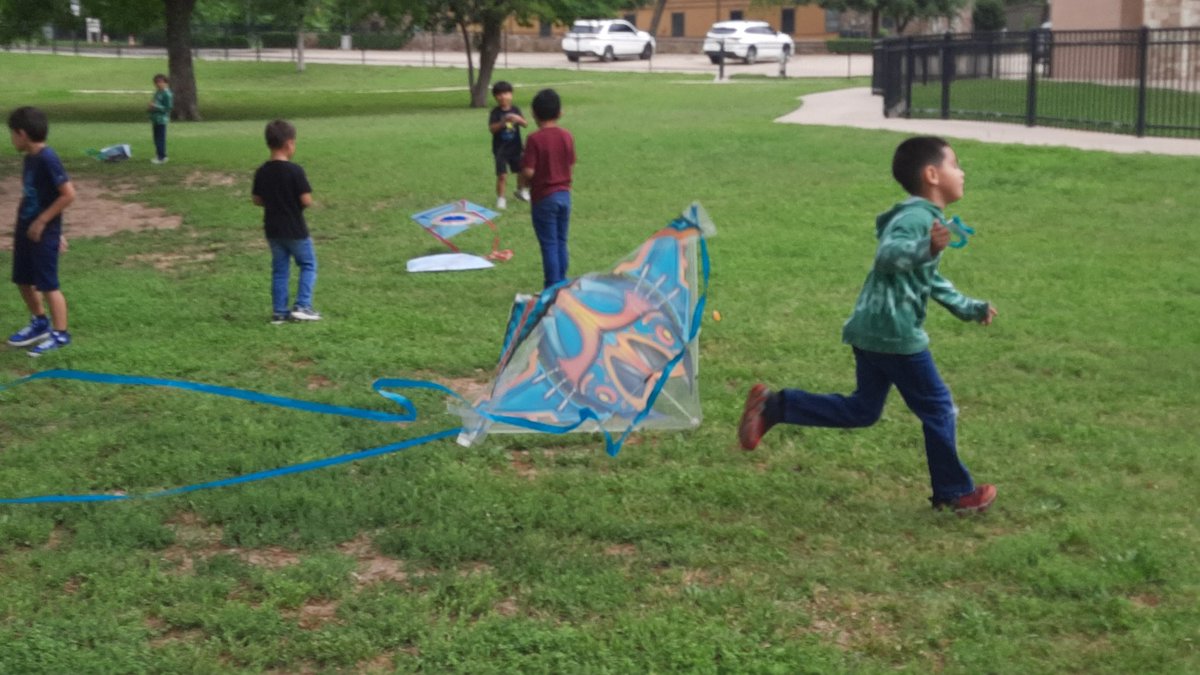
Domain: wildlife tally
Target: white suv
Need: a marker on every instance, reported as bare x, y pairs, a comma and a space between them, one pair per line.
607, 39
747, 40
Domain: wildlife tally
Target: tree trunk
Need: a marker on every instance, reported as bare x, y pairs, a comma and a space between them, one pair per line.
179, 59
656, 17
490, 44
875, 23
466, 35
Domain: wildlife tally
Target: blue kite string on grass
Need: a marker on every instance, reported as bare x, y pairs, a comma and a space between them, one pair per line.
380, 386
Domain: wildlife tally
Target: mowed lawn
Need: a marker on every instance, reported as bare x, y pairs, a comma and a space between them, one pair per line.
539, 553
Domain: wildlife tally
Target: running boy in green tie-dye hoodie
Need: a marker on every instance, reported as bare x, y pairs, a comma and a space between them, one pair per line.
885, 330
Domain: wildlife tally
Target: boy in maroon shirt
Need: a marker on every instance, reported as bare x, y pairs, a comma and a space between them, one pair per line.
546, 166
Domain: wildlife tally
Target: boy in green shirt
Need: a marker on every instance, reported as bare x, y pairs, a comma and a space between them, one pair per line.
160, 113
885, 330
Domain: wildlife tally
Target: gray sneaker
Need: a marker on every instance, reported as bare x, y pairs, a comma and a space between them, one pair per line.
305, 314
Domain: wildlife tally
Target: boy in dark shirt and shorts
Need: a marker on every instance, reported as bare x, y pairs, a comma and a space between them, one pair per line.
505, 122
45, 192
282, 189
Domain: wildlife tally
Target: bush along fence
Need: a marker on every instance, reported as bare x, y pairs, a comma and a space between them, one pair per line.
1143, 81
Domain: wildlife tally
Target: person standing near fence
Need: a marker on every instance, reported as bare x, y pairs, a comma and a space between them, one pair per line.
160, 113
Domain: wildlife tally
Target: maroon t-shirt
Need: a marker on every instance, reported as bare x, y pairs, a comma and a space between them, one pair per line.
550, 152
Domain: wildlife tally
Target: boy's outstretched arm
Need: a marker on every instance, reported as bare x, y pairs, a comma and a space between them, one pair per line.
961, 306
66, 195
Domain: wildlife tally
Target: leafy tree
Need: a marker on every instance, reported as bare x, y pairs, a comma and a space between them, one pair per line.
22, 19
901, 12
988, 15
488, 17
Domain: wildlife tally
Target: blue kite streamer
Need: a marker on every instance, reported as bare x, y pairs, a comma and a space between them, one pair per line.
380, 386
961, 229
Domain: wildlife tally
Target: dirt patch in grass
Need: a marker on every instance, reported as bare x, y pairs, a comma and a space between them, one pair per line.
373, 566
507, 607
197, 540
621, 550
853, 621
384, 663
167, 262
522, 466
98, 211
316, 614
203, 180
319, 382
470, 388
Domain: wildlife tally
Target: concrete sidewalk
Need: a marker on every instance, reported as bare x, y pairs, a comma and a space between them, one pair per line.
858, 108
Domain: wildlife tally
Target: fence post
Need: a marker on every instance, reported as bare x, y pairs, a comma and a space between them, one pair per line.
910, 59
721, 61
1031, 87
947, 72
1143, 59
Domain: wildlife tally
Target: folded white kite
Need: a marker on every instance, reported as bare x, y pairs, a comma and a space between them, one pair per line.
448, 262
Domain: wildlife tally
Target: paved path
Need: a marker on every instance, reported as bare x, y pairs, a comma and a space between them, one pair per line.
858, 108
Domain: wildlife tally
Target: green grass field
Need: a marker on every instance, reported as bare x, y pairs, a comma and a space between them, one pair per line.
538, 553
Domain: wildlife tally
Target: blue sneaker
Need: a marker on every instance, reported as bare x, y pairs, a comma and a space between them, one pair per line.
279, 318
57, 340
37, 330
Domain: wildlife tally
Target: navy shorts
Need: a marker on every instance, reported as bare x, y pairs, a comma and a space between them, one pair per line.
506, 162
35, 263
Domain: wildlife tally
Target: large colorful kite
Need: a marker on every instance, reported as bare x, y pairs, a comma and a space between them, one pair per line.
606, 351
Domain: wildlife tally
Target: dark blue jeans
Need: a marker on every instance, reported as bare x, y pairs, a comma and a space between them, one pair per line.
916, 377
160, 140
283, 251
551, 222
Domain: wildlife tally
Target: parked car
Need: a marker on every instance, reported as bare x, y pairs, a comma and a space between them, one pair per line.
606, 39
747, 40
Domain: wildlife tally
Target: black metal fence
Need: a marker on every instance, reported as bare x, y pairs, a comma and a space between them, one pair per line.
1143, 82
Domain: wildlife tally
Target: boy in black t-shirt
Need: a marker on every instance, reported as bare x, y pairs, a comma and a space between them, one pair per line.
505, 122
282, 189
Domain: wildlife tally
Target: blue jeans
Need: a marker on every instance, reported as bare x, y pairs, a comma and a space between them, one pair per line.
282, 251
916, 377
551, 221
160, 140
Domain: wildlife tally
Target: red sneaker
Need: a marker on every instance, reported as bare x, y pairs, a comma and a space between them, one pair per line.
754, 422
979, 500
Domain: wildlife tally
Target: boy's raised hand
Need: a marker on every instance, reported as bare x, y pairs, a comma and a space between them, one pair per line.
939, 237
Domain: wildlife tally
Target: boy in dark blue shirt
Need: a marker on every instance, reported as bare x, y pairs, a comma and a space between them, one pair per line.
505, 122
282, 189
46, 192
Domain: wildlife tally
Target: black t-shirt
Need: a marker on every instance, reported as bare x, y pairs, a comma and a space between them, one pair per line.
279, 184
507, 141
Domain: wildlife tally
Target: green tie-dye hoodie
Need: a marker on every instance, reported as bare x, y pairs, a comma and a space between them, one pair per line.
890, 310
163, 103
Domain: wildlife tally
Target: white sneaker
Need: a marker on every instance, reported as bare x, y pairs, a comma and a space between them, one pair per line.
501, 203
305, 314
523, 194
158, 161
